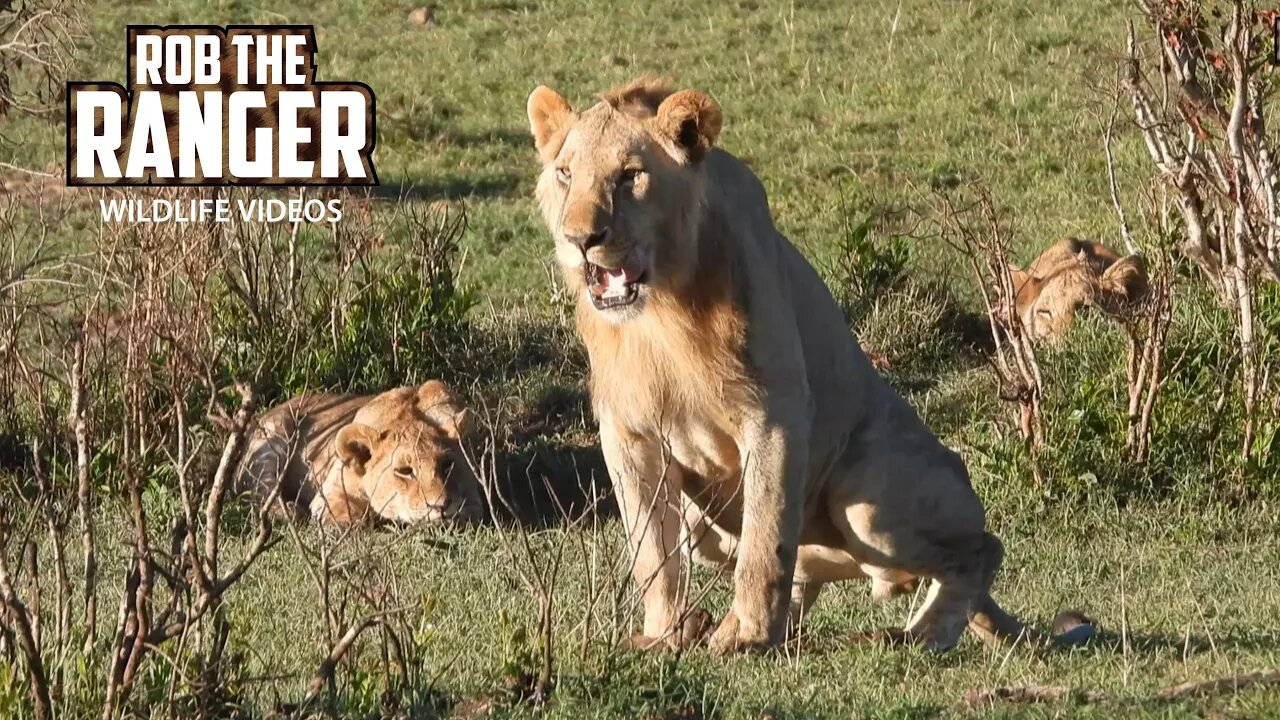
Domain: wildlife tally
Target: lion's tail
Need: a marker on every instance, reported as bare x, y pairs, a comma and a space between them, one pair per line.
995, 626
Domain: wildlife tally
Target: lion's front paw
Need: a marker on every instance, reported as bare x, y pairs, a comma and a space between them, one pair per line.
735, 636
697, 623
641, 642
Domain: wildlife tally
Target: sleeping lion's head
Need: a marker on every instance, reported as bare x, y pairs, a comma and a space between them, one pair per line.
621, 189
1070, 276
401, 454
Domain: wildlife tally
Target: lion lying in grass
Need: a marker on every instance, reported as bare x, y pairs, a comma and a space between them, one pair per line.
1074, 274
739, 420
354, 459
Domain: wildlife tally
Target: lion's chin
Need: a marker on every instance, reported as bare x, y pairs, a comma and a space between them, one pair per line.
453, 512
618, 311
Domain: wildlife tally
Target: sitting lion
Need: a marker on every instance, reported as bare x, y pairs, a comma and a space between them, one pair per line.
1073, 274
739, 420
352, 459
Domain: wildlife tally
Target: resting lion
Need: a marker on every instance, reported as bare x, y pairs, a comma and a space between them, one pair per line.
353, 459
739, 420
1073, 274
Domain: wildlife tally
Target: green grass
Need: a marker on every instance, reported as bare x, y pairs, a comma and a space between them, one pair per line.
1179, 597
845, 110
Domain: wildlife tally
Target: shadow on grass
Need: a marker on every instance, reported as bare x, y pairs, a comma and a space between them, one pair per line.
928, 362
547, 469
969, 331
543, 480
1152, 643
545, 484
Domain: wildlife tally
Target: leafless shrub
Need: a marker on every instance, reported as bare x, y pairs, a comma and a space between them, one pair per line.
539, 570
1146, 325
23, 621
123, 338
29, 418
359, 593
1147, 368
37, 53
37, 38
134, 371
1203, 120
579, 537
155, 328
973, 226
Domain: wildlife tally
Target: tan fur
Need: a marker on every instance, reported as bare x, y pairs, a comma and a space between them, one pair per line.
741, 424
641, 97
348, 459
1074, 274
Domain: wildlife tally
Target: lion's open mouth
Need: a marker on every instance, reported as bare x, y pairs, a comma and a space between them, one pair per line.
612, 288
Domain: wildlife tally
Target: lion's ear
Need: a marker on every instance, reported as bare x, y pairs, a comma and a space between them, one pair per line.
1019, 278
548, 115
1025, 291
355, 446
1125, 281
691, 120
433, 392
442, 408
460, 425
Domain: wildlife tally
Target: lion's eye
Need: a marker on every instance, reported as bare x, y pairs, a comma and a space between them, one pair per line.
1044, 313
563, 176
405, 472
628, 177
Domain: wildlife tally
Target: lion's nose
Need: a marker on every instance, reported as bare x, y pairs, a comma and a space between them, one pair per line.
585, 242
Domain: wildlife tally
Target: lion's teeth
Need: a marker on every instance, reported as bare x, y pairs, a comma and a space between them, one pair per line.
616, 282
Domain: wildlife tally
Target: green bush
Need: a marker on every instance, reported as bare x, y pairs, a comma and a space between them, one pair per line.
395, 316
864, 270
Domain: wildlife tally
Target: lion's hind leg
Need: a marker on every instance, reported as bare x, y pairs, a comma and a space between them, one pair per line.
907, 516
997, 627
988, 620
884, 589
267, 471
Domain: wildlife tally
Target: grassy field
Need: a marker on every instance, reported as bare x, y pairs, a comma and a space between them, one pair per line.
847, 111
1179, 598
